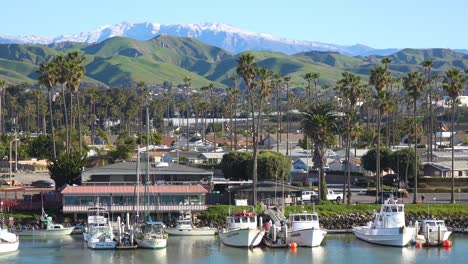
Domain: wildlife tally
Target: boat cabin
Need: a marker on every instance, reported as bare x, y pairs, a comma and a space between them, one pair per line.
97, 217
432, 225
242, 220
391, 215
303, 221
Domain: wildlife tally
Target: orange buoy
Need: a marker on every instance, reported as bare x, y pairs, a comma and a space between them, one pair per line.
447, 243
292, 245
419, 244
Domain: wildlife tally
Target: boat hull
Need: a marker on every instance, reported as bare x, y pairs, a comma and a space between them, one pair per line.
8, 247
191, 232
242, 237
43, 232
398, 237
101, 244
154, 243
307, 237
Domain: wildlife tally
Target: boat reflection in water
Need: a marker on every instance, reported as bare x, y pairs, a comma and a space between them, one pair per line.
192, 246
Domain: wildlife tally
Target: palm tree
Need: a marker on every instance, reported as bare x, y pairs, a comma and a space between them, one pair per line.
385, 62
2, 88
379, 78
453, 84
287, 79
204, 89
187, 88
315, 77
74, 74
277, 82
308, 77
414, 85
351, 91
320, 125
49, 77
211, 89
235, 94
247, 68
427, 72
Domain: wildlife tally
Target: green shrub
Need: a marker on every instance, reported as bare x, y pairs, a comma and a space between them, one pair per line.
297, 184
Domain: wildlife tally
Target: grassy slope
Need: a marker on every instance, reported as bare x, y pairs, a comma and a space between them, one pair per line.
121, 61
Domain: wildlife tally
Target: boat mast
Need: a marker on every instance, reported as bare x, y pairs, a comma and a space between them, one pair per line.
147, 156
138, 184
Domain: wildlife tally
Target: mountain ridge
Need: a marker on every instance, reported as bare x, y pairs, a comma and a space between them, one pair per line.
220, 35
121, 61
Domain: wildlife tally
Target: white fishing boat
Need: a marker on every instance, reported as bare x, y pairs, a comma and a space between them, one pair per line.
9, 242
242, 230
151, 235
184, 227
432, 232
304, 230
51, 229
99, 233
388, 227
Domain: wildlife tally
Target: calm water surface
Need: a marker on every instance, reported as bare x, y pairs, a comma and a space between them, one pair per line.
335, 249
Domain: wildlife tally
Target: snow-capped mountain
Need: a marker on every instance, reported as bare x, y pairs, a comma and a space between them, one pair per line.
215, 34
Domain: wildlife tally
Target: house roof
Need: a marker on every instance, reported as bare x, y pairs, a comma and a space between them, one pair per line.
212, 155
267, 187
129, 168
447, 165
163, 189
168, 141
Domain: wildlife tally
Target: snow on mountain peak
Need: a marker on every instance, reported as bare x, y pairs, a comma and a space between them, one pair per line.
213, 33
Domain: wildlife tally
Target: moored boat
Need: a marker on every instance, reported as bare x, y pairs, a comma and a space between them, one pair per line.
52, 229
388, 228
184, 227
151, 235
99, 233
432, 232
304, 230
9, 242
241, 231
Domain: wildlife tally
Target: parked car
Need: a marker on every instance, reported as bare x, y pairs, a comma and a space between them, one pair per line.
42, 184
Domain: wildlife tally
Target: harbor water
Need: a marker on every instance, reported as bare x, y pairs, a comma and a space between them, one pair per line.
336, 248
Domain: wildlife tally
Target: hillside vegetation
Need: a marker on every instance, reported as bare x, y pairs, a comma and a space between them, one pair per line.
120, 61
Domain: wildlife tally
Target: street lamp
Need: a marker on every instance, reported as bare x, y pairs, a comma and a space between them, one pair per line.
11, 143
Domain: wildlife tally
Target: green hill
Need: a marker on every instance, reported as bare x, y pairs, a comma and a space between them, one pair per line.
120, 61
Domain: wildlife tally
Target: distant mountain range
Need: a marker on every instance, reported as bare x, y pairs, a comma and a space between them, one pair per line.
122, 61
215, 34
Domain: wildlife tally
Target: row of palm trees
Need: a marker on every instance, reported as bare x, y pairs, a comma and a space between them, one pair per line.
353, 95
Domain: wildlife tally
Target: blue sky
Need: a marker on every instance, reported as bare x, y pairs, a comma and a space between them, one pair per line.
377, 23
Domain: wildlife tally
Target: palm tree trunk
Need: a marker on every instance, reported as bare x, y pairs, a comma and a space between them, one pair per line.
415, 153
52, 124
79, 122
235, 121
452, 194
377, 170
288, 124
254, 145
431, 120
348, 167
66, 117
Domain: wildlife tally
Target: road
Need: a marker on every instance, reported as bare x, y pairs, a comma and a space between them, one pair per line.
430, 198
